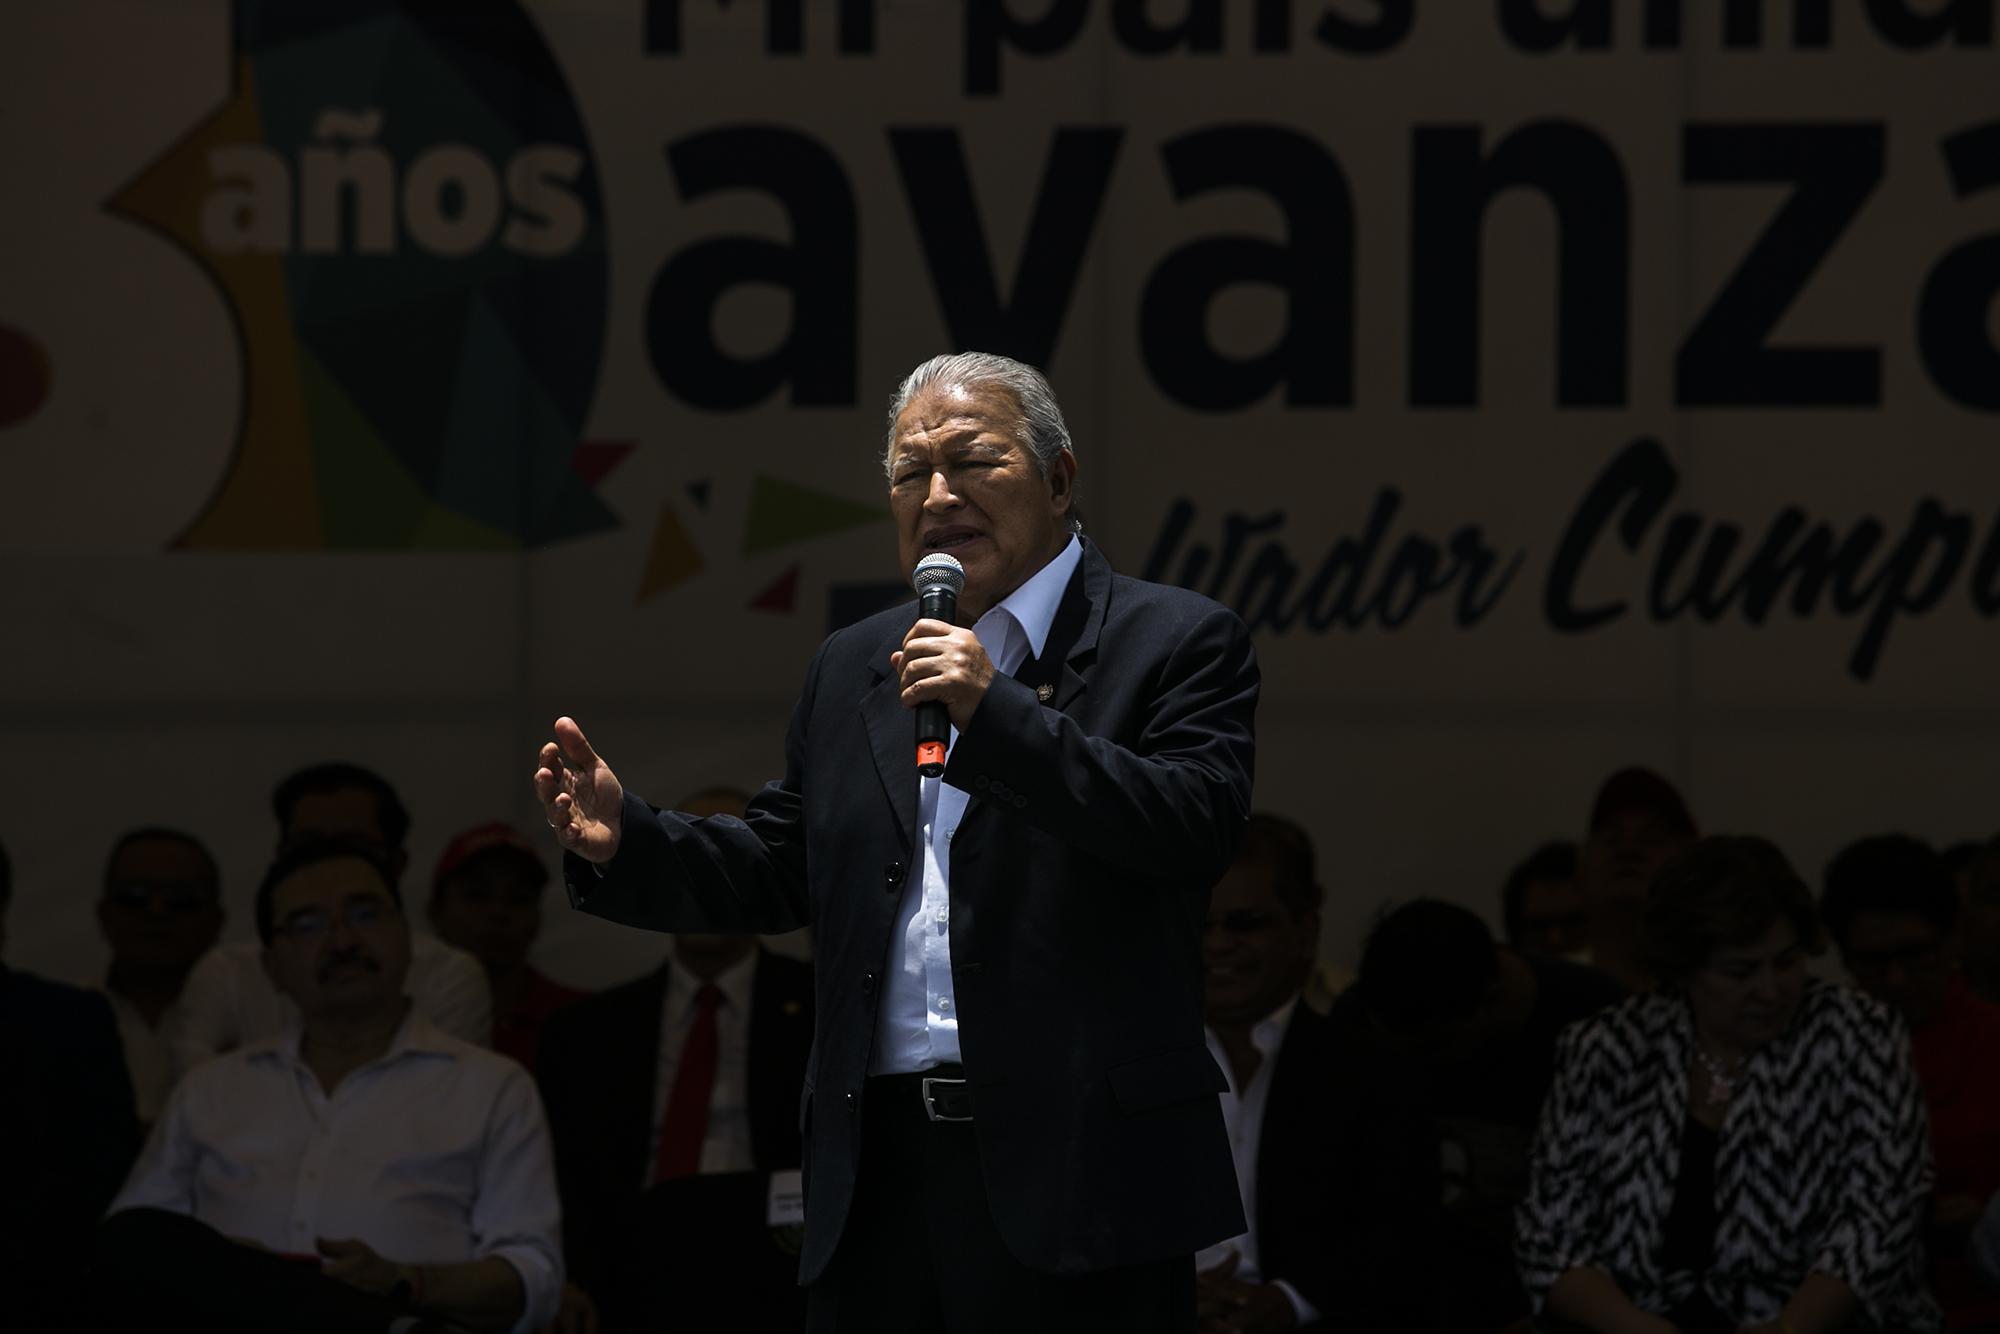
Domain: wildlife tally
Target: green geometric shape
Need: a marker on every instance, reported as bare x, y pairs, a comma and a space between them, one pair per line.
782, 513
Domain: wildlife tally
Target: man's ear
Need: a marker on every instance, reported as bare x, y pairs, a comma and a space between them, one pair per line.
1062, 478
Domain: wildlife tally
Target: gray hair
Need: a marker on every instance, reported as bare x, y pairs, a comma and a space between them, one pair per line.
1041, 426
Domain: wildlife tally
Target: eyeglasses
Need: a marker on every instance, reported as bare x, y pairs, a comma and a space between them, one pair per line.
181, 899
1239, 921
309, 925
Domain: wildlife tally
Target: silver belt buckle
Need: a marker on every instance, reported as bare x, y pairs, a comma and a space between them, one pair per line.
930, 1098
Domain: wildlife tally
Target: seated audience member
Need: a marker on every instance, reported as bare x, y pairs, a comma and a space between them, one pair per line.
161, 911
1339, 1187
1542, 904
1743, 1149
1979, 926
360, 1167
1465, 1029
486, 899
229, 1000
1637, 823
67, 1134
672, 1099
1891, 907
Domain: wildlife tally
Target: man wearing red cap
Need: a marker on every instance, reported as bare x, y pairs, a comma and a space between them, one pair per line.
486, 898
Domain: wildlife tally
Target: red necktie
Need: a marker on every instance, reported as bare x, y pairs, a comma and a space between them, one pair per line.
686, 1122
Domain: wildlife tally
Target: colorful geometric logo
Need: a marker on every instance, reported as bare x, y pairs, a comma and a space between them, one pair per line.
399, 204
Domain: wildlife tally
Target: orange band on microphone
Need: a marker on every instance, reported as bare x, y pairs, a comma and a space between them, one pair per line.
930, 755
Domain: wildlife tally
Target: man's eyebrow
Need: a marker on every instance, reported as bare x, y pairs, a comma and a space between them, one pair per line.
950, 449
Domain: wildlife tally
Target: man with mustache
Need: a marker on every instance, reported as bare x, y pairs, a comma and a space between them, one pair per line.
361, 1167
1010, 1113
229, 1001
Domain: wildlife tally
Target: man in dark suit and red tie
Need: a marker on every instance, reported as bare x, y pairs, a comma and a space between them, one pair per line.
1010, 1116
673, 1101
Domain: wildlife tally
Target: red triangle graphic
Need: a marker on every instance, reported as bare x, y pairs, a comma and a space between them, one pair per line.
780, 596
596, 460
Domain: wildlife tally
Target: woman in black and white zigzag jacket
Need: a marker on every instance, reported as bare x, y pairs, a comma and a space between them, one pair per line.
1742, 1150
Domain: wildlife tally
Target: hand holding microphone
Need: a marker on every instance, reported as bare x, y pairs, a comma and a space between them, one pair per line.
943, 669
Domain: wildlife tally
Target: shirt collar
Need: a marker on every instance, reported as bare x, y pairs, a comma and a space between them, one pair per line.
734, 982
416, 1035
1033, 605
1269, 1034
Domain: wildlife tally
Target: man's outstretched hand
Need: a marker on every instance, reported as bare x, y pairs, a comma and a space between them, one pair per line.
581, 798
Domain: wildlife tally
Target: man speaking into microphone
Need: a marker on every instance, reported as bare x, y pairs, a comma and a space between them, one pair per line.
1010, 1116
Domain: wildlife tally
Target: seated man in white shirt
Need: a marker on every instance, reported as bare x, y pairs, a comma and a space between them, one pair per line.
372, 1167
1338, 1188
228, 1000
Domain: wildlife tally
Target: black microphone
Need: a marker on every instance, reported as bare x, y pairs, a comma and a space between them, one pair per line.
939, 579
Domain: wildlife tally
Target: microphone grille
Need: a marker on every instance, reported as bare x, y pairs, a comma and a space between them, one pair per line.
939, 570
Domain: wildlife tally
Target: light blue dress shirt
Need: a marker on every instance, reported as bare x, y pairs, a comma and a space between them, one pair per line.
916, 1020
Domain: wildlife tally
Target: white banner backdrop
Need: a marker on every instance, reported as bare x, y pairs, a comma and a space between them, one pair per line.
1552, 386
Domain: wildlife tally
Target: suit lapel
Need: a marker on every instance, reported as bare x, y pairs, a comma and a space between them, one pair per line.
638, 1095
892, 738
1283, 1105
1071, 646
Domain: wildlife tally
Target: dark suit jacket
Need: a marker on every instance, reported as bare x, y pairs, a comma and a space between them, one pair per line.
1080, 874
597, 1068
1348, 1190
68, 1134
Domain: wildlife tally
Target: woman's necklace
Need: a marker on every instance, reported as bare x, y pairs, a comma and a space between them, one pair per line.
1721, 1078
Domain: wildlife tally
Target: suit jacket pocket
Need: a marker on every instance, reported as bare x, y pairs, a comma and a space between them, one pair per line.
1182, 1074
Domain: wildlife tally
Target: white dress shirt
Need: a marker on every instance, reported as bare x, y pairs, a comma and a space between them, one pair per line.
434, 1153
1243, 1114
916, 1020
229, 1001
726, 1145
148, 1058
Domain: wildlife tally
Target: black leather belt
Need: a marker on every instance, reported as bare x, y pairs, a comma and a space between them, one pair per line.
943, 1091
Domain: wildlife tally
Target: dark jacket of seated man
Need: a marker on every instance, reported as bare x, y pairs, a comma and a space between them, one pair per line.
67, 1133
600, 1070
1340, 1185
1347, 1191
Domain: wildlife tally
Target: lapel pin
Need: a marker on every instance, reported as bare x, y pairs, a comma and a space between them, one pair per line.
1045, 692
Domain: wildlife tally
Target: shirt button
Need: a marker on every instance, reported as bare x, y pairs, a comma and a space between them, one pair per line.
850, 1099
944, 1004
868, 984
1019, 801
943, 914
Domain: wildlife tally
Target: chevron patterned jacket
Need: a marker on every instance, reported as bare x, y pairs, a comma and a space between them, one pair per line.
1822, 1164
